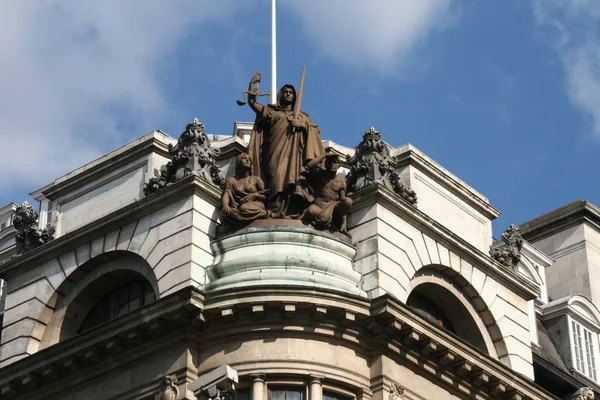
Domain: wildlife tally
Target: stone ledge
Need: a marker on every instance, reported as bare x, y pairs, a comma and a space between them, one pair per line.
407, 335
87, 349
373, 326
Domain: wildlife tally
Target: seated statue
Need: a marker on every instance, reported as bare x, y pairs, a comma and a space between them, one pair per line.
243, 199
325, 192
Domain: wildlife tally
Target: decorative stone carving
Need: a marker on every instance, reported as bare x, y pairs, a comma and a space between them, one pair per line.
168, 388
372, 163
29, 235
244, 196
192, 155
584, 393
510, 255
325, 193
396, 392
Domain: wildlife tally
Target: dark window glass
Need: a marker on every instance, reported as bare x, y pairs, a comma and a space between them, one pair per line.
327, 395
243, 394
119, 302
286, 393
428, 310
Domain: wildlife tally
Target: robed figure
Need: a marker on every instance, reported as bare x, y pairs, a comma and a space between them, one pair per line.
282, 143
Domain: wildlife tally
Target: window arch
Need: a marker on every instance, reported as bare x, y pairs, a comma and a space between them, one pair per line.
92, 284
442, 308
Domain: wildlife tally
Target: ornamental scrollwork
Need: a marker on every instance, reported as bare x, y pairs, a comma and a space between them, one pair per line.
584, 393
29, 235
372, 163
510, 254
192, 155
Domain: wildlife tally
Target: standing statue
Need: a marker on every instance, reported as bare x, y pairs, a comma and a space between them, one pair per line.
325, 191
244, 195
283, 141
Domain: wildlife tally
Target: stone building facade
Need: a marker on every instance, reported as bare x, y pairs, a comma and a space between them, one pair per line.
134, 289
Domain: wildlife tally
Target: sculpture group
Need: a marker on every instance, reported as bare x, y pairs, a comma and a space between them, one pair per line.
286, 173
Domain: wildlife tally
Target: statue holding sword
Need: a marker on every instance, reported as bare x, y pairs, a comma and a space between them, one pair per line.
283, 141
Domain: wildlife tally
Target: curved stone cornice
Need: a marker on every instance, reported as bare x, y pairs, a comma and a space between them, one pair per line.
382, 326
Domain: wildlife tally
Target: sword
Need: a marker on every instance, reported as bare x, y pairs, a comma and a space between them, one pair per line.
299, 95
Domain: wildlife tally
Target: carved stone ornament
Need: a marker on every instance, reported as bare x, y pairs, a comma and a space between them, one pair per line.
192, 155
584, 393
510, 255
396, 392
29, 235
168, 388
372, 163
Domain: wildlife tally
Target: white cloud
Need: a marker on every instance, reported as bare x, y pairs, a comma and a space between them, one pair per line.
378, 34
71, 71
572, 27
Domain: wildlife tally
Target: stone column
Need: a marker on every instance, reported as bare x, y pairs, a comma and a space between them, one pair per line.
258, 386
316, 388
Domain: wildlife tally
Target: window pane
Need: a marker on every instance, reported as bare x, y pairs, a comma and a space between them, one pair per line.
286, 393
117, 303
277, 394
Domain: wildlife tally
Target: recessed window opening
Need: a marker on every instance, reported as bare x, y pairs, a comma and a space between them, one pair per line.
585, 347
123, 300
440, 307
286, 393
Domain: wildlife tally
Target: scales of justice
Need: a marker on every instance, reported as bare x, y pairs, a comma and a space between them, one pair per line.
286, 177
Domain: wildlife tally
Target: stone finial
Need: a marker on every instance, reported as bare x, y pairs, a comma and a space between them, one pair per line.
168, 388
372, 163
192, 155
509, 255
584, 393
396, 392
29, 235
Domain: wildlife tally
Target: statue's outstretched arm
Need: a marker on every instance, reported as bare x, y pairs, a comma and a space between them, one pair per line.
253, 88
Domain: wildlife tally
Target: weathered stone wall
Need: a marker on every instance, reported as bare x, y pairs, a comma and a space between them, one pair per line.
450, 210
174, 241
390, 252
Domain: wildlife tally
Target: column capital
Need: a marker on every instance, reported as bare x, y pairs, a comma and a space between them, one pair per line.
257, 377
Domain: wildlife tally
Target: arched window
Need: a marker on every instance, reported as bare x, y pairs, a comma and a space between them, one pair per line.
441, 308
428, 310
123, 300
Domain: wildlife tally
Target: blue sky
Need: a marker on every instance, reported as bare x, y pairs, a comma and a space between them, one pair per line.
504, 94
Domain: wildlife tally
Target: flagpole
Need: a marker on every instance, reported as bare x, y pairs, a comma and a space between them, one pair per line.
273, 53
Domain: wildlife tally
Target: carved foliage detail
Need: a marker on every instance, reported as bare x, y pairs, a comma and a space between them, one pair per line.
372, 163
396, 392
192, 155
168, 388
584, 393
509, 255
29, 235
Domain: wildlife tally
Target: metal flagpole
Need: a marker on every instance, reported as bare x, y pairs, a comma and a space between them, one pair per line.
273, 53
